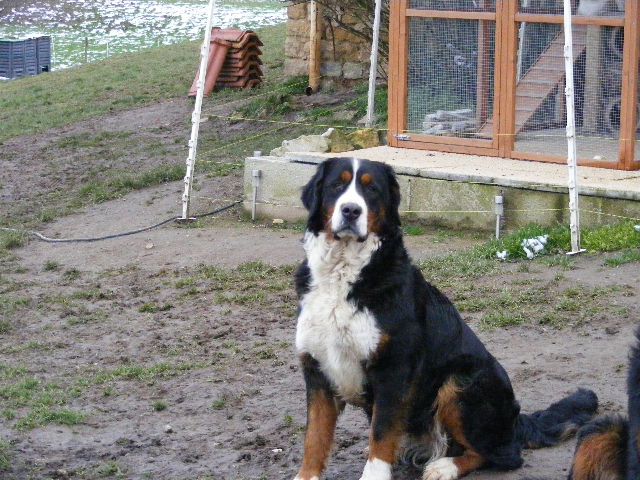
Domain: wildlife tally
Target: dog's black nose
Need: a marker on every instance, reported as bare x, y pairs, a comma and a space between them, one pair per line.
351, 211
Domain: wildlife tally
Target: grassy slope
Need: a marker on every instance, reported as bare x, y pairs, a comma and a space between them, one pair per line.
31, 105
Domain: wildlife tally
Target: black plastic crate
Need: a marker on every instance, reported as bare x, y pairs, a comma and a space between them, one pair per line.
25, 56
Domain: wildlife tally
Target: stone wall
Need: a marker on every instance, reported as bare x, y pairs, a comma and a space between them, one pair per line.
345, 57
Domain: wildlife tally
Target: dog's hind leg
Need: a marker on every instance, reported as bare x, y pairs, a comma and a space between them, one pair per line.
448, 414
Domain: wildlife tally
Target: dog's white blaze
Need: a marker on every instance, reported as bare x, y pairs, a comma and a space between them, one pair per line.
351, 195
442, 469
376, 469
331, 328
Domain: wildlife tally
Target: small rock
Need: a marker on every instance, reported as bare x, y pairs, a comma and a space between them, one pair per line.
277, 221
276, 450
611, 330
364, 138
168, 429
149, 245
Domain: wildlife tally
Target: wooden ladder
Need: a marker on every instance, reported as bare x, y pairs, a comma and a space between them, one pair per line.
542, 78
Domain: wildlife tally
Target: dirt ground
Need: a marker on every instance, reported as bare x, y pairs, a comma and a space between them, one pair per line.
173, 348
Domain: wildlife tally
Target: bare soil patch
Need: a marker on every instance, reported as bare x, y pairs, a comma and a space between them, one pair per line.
193, 328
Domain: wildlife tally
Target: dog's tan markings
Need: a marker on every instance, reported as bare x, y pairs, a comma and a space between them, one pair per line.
386, 448
322, 414
374, 220
327, 223
449, 415
366, 179
600, 456
346, 176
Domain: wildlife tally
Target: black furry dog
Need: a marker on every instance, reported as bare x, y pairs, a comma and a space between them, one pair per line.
373, 333
609, 447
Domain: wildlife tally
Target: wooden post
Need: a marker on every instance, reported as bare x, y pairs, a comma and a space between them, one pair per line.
86, 49
315, 52
629, 102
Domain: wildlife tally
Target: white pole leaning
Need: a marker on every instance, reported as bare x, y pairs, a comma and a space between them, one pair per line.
373, 69
571, 131
195, 116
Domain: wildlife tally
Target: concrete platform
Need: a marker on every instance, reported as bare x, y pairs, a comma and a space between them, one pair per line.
458, 190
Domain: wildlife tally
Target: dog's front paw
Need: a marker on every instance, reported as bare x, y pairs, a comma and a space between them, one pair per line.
441, 469
298, 477
376, 469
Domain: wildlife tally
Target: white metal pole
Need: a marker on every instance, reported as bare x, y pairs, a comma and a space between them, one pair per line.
195, 116
373, 70
571, 130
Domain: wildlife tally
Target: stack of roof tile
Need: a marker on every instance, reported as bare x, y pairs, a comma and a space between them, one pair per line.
234, 60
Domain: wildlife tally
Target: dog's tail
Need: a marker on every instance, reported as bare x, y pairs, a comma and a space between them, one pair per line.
561, 420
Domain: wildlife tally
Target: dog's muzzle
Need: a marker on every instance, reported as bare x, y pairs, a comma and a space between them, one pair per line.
348, 225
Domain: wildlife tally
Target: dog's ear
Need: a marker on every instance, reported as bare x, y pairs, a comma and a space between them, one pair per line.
312, 196
394, 196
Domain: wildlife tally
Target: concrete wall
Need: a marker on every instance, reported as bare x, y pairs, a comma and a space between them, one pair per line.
437, 201
345, 56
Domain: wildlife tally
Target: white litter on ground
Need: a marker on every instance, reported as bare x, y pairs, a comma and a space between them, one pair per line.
637, 227
533, 246
502, 255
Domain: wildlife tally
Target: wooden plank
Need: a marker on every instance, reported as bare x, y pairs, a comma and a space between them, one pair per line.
453, 14
443, 147
403, 68
394, 72
576, 20
629, 101
450, 140
484, 67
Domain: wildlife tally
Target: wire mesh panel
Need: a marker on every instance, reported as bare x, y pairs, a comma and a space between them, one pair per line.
454, 5
450, 77
583, 8
540, 101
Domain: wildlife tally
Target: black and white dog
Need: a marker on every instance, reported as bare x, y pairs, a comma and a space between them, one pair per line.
373, 333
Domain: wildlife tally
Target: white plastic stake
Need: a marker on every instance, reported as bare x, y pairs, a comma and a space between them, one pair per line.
571, 131
195, 116
373, 70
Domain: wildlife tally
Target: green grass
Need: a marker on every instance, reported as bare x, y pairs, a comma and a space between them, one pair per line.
10, 239
98, 191
492, 320
625, 257
159, 405
5, 457
118, 83
47, 415
597, 239
153, 308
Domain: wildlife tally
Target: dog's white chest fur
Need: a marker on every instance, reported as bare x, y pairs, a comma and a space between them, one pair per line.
330, 327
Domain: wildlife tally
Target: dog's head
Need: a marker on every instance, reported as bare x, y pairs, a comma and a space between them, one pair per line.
351, 198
